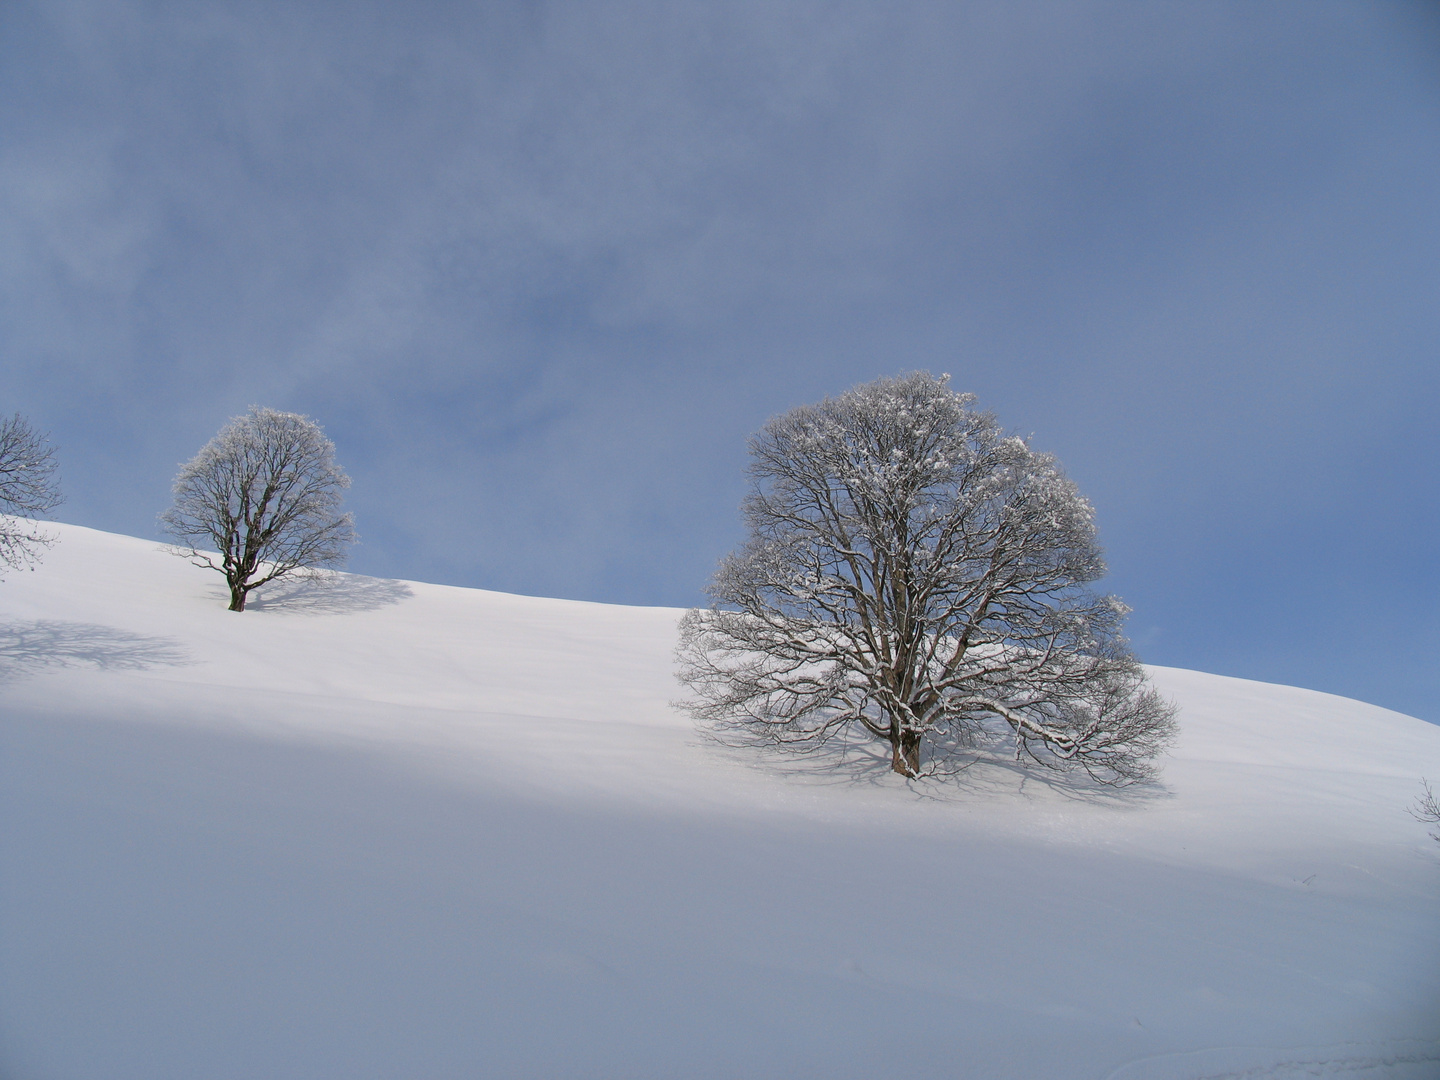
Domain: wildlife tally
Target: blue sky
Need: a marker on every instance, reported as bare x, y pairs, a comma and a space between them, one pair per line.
540, 269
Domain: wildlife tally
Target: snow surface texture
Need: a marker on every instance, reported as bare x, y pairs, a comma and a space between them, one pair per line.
389, 829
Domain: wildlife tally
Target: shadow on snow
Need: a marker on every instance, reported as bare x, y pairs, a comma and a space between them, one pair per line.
858, 762
28, 647
329, 594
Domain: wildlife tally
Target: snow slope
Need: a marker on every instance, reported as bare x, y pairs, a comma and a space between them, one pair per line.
404, 830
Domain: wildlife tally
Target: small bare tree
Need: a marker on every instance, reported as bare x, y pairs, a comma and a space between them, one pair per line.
260, 501
1427, 808
28, 488
918, 576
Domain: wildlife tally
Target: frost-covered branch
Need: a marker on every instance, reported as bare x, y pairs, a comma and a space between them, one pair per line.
261, 501
28, 489
916, 573
1427, 808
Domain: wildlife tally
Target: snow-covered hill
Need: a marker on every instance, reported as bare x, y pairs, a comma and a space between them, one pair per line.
409, 831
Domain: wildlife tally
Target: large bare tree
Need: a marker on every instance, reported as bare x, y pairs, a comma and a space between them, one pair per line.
261, 500
28, 488
917, 575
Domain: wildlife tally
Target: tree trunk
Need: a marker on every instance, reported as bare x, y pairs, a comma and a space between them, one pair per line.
237, 597
905, 754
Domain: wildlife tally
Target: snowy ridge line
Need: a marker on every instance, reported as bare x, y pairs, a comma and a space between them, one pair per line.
1404, 1059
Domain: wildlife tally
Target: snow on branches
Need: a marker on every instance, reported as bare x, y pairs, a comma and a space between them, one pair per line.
260, 501
27, 490
917, 575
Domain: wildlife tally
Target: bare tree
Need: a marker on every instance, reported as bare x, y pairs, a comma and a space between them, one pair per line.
916, 576
260, 501
28, 488
1427, 808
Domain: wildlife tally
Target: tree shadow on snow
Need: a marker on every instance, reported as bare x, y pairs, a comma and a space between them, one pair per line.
329, 594
997, 771
983, 771
29, 647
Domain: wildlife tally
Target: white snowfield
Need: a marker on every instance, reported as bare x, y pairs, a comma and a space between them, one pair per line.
407, 831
